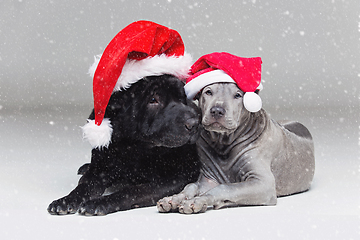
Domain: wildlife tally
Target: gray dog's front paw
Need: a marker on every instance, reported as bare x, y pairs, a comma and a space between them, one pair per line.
195, 205
164, 205
168, 204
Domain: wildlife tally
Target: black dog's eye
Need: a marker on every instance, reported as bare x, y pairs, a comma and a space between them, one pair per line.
237, 96
154, 100
208, 92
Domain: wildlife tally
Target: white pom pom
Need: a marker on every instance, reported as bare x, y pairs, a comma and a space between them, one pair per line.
98, 136
252, 102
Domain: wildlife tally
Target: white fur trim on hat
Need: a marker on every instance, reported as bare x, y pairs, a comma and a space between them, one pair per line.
98, 136
134, 70
198, 83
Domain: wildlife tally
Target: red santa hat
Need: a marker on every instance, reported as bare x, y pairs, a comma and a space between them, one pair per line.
225, 67
141, 49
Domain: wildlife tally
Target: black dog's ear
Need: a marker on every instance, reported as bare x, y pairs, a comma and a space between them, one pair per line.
92, 115
118, 104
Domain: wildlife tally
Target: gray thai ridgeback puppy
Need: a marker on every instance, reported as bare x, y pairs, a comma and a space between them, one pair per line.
247, 158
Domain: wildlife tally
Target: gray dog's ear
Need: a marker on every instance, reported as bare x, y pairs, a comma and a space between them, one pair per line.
194, 103
197, 96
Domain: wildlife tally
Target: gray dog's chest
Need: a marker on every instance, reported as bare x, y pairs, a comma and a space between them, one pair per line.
223, 158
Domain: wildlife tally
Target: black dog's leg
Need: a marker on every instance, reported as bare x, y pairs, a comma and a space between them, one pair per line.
88, 188
130, 197
82, 170
91, 185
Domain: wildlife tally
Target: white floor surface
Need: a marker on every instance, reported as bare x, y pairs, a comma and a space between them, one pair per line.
41, 150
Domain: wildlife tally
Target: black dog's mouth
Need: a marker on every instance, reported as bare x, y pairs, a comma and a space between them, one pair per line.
172, 141
193, 138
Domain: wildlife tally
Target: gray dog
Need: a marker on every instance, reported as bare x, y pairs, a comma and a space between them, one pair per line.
247, 158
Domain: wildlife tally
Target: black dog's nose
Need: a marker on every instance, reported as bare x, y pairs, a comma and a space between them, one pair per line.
191, 123
217, 112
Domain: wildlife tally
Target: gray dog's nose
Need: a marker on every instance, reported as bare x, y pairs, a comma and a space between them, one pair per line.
217, 112
191, 123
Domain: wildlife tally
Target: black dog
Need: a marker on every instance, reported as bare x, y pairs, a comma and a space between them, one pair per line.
151, 154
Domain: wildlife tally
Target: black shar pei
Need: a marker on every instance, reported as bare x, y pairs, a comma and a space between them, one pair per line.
142, 135
150, 155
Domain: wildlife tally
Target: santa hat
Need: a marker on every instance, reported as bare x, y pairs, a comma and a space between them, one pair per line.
141, 49
225, 67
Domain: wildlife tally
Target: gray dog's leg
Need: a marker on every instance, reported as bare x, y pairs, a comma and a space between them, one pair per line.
233, 194
190, 191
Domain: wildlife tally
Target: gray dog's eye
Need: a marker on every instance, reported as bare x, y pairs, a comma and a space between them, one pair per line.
208, 92
237, 96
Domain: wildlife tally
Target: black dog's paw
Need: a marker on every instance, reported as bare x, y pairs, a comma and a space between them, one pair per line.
63, 206
95, 207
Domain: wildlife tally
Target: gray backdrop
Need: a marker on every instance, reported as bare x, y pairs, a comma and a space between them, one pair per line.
310, 49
